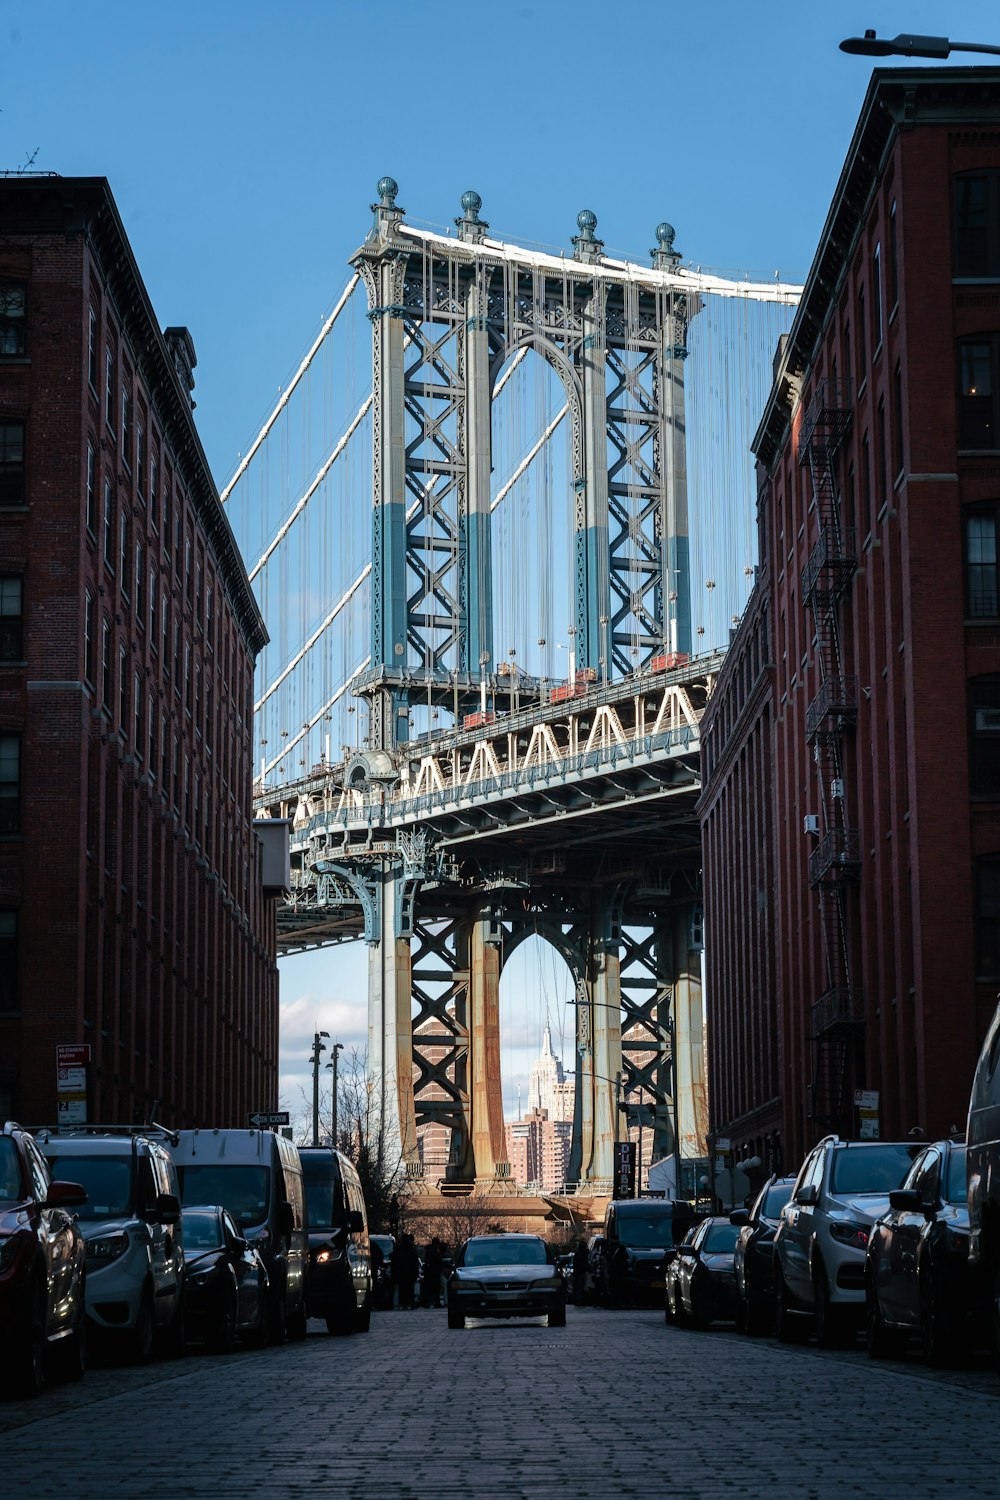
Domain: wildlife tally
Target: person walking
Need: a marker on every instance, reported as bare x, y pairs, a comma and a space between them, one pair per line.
580, 1273
405, 1269
433, 1266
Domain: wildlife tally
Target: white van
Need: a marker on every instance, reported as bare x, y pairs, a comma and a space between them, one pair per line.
131, 1225
257, 1176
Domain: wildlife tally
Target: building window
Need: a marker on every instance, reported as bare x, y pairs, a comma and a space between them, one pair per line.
137, 713
13, 298
848, 366
897, 420
866, 483
862, 338
877, 295
106, 664
893, 259
167, 509
881, 456
152, 608
984, 736
209, 600
154, 490
123, 551
88, 636
123, 689
982, 580
92, 351
11, 618
91, 489
140, 573
151, 734
109, 525
977, 225
12, 486
126, 421
140, 457
165, 626
109, 387
987, 881
8, 960
977, 387
10, 783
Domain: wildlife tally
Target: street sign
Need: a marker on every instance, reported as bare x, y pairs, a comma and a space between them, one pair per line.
263, 1119
71, 1082
625, 1163
866, 1098
73, 1056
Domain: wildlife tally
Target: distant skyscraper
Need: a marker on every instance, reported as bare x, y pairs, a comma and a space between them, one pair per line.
546, 1075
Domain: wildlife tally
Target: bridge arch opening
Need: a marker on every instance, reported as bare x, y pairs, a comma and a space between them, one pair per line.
532, 531
537, 1060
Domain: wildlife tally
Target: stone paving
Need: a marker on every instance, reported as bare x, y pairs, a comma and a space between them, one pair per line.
611, 1407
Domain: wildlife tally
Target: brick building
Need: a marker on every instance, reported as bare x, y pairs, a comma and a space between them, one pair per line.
133, 916
538, 1150
851, 812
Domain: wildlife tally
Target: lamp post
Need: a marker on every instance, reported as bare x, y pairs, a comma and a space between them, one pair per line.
909, 45
335, 1050
318, 1048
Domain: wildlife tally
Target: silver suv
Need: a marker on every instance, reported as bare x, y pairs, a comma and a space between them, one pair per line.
820, 1243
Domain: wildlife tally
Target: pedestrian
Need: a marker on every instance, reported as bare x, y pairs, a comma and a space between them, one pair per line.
433, 1265
405, 1269
580, 1273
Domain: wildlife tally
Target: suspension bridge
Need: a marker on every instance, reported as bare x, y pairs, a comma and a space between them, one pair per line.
500, 523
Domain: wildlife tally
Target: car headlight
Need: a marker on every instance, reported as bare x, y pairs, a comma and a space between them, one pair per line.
328, 1253
469, 1286
855, 1235
107, 1247
548, 1284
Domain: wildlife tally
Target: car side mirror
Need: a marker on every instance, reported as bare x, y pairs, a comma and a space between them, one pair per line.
905, 1200
739, 1217
286, 1218
241, 1244
168, 1208
808, 1195
355, 1222
65, 1195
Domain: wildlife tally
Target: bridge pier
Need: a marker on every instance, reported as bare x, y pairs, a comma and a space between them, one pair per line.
390, 1032
485, 1090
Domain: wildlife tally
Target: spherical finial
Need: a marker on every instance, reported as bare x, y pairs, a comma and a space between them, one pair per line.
586, 221
471, 203
387, 189
665, 235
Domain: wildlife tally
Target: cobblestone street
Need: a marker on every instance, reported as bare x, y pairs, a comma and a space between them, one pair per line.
614, 1405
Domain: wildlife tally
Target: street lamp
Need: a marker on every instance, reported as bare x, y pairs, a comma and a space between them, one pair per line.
908, 45
317, 1049
336, 1050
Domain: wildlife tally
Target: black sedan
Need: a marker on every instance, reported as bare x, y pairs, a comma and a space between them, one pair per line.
701, 1281
754, 1258
916, 1265
506, 1276
225, 1292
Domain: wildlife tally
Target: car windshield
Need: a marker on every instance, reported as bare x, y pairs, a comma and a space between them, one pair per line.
202, 1230
10, 1171
504, 1252
720, 1239
871, 1169
646, 1231
775, 1199
107, 1181
957, 1190
243, 1190
324, 1204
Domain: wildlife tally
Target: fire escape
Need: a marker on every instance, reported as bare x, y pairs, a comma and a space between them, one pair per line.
835, 862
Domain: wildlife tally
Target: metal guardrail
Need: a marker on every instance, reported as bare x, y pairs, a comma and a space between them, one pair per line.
835, 706
838, 1008
837, 857
834, 555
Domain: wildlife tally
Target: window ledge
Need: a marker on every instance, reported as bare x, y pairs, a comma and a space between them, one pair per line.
14, 510
15, 359
20, 663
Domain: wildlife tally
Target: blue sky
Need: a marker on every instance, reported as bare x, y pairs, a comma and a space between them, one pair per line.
243, 142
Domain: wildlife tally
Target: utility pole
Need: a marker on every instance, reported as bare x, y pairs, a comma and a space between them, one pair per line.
318, 1048
336, 1050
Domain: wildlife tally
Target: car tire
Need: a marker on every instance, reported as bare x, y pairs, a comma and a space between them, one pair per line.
741, 1314
174, 1336
698, 1317
828, 1319
363, 1317
256, 1337
70, 1354
757, 1318
455, 1319
557, 1317
142, 1336
788, 1328
277, 1319
222, 1337
296, 1325
22, 1374
881, 1341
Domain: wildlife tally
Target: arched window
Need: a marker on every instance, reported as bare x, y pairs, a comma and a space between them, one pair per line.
982, 580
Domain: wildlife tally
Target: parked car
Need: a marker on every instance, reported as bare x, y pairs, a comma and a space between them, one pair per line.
916, 1270
506, 1276
700, 1279
339, 1279
595, 1251
226, 1288
381, 1248
983, 1137
131, 1224
257, 1176
820, 1243
42, 1268
638, 1234
754, 1259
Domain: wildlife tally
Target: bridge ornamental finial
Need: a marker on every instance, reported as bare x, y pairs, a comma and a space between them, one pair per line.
586, 245
665, 257
387, 189
471, 227
386, 212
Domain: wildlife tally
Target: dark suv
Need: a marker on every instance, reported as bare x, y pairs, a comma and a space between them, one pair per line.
42, 1268
639, 1236
983, 1165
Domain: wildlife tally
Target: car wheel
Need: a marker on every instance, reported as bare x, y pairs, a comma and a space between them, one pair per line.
557, 1317
363, 1317
142, 1338
741, 1314
174, 1336
698, 1317
829, 1320
70, 1353
756, 1317
789, 1328
455, 1318
937, 1335
23, 1368
276, 1319
668, 1311
222, 1339
882, 1342
296, 1326
256, 1337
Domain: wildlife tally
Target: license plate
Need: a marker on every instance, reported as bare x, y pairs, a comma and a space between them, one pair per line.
506, 1296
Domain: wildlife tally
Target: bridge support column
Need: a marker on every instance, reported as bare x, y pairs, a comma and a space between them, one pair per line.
390, 1036
486, 1098
593, 566
477, 569
602, 1061
689, 1037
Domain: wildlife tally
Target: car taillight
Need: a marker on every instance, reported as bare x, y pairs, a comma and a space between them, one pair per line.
855, 1235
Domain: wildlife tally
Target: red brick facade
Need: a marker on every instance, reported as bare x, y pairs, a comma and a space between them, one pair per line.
132, 915
882, 708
